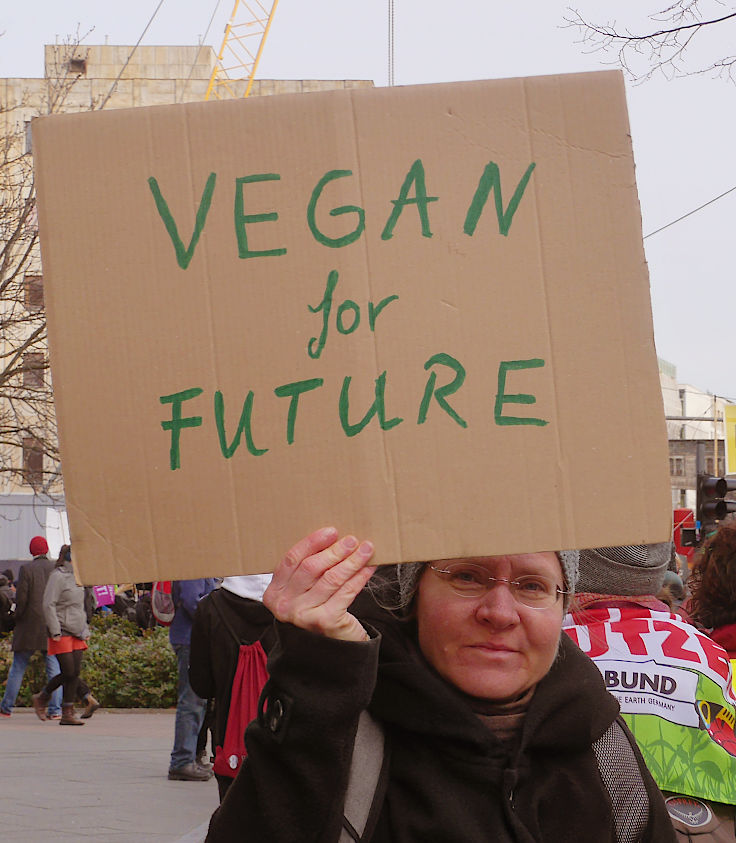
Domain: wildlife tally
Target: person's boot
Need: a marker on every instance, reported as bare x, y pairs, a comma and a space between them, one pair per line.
40, 701
68, 718
92, 706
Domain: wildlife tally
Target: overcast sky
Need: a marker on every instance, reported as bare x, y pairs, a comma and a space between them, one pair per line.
684, 130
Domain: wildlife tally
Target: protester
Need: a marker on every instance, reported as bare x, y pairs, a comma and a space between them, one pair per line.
190, 709
67, 618
143, 612
29, 634
671, 680
713, 587
124, 604
7, 605
10, 577
229, 620
496, 727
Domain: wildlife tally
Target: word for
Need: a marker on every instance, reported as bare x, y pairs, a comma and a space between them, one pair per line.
490, 181
642, 681
294, 392
316, 344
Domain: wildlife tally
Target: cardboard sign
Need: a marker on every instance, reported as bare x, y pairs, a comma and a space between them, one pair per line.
421, 314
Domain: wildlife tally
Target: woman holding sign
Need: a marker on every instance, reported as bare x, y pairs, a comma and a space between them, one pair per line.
462, 715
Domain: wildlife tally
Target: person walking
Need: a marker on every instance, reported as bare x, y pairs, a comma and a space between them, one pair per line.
29, 634
190, 709
67, 623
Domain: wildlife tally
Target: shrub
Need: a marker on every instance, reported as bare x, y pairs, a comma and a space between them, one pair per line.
123, 667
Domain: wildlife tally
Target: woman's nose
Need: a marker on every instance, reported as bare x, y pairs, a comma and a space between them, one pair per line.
498, 606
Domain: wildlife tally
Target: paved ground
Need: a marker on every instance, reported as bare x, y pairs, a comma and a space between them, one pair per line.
104, 781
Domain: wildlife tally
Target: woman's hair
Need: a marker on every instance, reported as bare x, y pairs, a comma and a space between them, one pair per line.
62, 555
393, 587
713, 580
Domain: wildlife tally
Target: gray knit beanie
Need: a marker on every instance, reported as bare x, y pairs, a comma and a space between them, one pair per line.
629, 570
570, 562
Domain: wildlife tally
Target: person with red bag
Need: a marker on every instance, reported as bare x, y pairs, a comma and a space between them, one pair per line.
231, 635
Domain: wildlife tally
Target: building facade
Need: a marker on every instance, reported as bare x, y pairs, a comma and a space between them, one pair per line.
694, 417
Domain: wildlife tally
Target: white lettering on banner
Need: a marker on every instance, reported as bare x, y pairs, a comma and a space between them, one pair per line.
645, 687
663, 637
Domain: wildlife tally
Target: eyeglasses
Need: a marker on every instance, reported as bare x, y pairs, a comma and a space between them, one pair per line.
468, 580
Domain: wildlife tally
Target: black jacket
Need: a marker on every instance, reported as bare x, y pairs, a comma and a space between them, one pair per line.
451, 780
214, 652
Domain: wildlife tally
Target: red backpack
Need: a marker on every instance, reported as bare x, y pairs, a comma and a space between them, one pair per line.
250, 677
162, 602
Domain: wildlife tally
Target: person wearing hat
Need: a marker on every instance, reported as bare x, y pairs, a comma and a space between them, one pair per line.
671, 680
484, 731
29, 634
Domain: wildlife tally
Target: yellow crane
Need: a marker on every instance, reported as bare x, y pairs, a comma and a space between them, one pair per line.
242, 46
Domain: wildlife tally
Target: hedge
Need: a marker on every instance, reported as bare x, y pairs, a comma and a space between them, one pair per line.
124, 667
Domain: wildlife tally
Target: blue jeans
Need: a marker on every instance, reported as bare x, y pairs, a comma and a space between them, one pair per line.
15, 677
190, 711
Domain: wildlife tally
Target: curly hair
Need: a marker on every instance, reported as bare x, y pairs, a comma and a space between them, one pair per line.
713, 580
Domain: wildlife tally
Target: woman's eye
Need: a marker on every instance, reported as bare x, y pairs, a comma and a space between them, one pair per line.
533, 586
466, 576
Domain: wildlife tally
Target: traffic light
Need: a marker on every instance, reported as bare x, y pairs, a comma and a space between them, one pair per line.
711, 506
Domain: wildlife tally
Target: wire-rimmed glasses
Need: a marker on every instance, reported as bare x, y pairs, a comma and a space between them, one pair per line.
468, 580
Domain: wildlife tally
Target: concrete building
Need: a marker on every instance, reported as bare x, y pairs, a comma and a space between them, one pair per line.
699, 420
76, 78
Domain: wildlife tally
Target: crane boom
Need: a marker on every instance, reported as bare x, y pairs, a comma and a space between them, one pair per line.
242, 46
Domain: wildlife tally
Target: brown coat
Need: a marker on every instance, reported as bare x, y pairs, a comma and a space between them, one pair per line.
30, 626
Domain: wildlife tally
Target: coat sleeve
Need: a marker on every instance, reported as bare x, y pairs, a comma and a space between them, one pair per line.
21, 593
292, 786
51, 594
200, 665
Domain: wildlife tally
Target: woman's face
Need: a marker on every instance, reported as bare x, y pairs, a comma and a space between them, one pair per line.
490, 646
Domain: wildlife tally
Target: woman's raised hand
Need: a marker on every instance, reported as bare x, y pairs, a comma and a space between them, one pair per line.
317, 580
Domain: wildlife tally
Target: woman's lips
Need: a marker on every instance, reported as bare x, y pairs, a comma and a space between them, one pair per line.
494, 648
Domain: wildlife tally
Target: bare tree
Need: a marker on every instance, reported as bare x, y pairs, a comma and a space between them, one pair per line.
28, 442
667, 40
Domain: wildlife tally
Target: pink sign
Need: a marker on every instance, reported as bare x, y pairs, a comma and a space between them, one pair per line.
104, 594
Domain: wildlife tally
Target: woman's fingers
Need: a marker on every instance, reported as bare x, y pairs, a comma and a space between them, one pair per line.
317, 581
329, 569
308, 546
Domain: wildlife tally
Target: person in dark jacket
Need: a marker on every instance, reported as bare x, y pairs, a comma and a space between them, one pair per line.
29, 634
237, 605
67, 612
190, 708
497, 728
